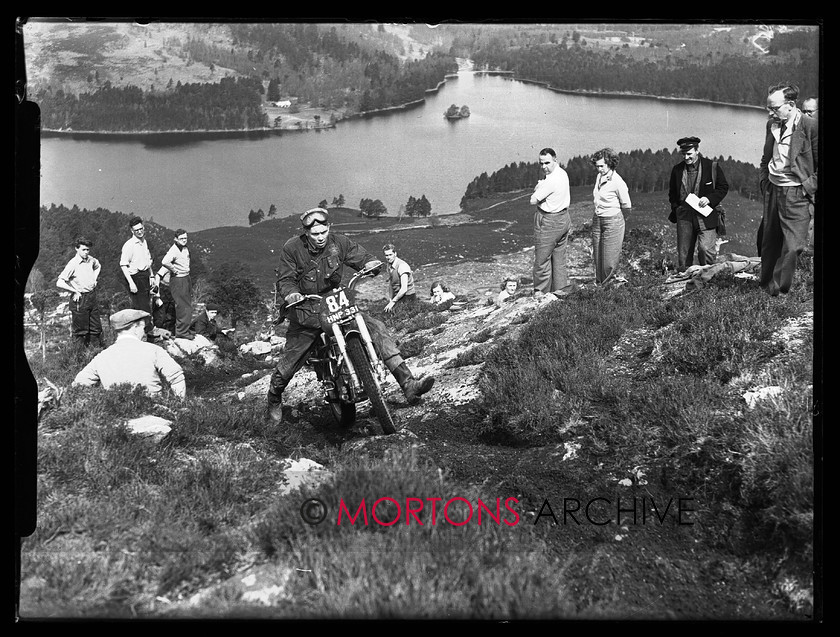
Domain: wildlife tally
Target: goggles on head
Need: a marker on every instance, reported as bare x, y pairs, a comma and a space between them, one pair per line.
315, 216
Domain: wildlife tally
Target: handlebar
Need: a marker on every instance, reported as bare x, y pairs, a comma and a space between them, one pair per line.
364, 272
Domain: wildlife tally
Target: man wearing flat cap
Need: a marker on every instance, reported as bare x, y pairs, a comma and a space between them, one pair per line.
692, 179
313, 263
133, 361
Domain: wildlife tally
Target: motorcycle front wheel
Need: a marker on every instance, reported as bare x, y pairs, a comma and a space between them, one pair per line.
358, 356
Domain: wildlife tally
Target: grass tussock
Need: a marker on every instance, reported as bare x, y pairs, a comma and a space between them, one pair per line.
416, 569
409, 317
679, 405
140, 520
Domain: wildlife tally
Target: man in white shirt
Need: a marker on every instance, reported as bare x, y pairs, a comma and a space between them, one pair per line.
400, 278
551, 227
79, 277
175, 267
136, 264
132, 361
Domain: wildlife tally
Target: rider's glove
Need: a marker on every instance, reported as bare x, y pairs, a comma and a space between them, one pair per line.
294, 297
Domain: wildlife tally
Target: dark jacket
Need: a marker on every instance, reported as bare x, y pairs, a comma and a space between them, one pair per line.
804, 155
307, 272
713, 192
203, 325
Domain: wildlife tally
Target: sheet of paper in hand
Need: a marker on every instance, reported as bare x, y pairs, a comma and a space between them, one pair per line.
694, 201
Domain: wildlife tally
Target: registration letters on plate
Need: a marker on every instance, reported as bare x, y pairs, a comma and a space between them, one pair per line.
339, 307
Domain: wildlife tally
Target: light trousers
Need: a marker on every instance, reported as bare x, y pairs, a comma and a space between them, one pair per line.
607, 239
551, 233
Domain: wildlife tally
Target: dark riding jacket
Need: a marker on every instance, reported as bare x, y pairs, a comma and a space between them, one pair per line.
306, 271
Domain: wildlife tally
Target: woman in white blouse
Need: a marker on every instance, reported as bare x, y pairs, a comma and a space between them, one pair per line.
612, 205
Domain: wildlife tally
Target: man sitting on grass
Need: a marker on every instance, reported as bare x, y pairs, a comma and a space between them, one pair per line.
133, 361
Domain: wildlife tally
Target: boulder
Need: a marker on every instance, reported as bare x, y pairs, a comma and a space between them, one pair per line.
152, 427
753, 397
257, 348
303, 388
300, 472
200, 345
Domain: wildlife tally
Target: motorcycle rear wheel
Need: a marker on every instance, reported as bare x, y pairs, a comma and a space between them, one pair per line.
358, 356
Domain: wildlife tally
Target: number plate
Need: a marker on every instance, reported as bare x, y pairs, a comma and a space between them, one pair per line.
337, 307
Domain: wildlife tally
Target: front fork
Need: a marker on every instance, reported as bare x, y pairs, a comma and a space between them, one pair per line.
378, 366
342, 347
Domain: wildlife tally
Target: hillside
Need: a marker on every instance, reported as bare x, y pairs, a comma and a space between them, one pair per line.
498, 225
620, 393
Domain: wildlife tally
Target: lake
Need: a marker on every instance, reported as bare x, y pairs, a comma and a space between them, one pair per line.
200, 184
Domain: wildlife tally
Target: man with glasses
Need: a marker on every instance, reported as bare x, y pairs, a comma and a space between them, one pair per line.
313, 263
551, 227
136, 264
175, 267
810, 107
695, 226
788, 183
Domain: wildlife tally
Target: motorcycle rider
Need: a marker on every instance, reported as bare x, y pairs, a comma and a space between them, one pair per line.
313, 263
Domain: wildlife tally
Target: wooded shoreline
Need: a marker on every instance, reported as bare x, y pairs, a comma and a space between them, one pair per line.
270, 130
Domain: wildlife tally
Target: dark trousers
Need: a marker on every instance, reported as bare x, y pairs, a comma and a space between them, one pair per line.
181, 289
142, 300
85, 319
784, 235
300, 340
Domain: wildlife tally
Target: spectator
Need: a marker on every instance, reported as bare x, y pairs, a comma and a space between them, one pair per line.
175, 268
313, 263
400, 278
508, 287
136, 264
439, 293
612, 205
692, 179
788, 183
551, 227
205, 323
130, 360
810, 107
79, 277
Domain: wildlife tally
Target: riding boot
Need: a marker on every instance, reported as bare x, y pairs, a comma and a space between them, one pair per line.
275, 406
412, 388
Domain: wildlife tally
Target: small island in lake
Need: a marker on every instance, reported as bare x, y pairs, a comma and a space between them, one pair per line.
453, 112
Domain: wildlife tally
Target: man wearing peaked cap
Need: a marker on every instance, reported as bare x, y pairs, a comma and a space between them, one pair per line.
692, 178
131, 360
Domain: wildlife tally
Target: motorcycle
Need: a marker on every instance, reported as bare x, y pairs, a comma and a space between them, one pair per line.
344, 357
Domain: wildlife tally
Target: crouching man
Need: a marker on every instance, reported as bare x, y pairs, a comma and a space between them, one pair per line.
313, 263
133, 361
